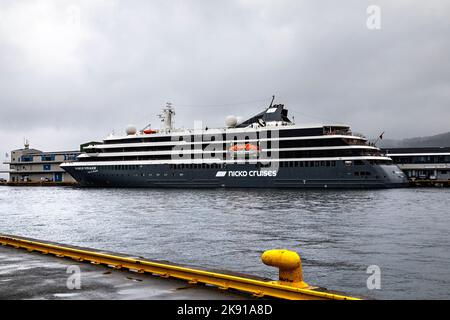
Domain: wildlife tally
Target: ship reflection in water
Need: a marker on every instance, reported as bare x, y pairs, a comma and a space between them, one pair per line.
338, 233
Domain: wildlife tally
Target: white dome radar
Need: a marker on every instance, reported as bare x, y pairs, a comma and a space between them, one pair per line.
130, 130
231, 121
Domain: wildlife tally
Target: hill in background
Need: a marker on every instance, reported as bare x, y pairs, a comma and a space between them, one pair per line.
440, 140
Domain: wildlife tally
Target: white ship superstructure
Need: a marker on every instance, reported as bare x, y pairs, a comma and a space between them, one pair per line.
267, 150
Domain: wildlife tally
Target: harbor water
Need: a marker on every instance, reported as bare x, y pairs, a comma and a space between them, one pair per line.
339, 234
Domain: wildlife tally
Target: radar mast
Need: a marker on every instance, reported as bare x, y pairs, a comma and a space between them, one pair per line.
167, 117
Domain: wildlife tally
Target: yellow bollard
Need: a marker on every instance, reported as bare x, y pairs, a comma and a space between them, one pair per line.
289, 264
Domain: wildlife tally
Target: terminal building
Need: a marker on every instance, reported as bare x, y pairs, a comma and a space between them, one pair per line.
422, 163
31, 166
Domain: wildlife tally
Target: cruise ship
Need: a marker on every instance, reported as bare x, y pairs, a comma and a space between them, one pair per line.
267, 150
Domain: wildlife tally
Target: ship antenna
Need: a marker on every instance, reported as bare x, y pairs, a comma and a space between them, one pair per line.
26, 144
167, 117
271, 103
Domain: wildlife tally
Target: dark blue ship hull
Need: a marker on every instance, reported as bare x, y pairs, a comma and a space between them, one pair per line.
238, 176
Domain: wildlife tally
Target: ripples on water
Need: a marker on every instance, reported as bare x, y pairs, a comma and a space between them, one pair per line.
338, 233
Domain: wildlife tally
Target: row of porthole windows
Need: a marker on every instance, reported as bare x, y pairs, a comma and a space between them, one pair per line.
306, 164
362, 173
140, 175
197, 166
300, 164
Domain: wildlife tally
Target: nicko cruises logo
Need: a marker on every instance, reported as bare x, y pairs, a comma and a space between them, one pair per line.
244, 173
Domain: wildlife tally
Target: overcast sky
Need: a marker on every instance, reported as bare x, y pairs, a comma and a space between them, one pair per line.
72, 71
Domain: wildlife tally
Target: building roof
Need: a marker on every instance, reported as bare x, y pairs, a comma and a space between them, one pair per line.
35, 152
28, 151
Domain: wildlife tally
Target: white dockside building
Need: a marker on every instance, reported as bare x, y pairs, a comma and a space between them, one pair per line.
34, 166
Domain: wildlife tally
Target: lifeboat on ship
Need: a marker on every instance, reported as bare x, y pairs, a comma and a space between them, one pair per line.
244, 148
150, 131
